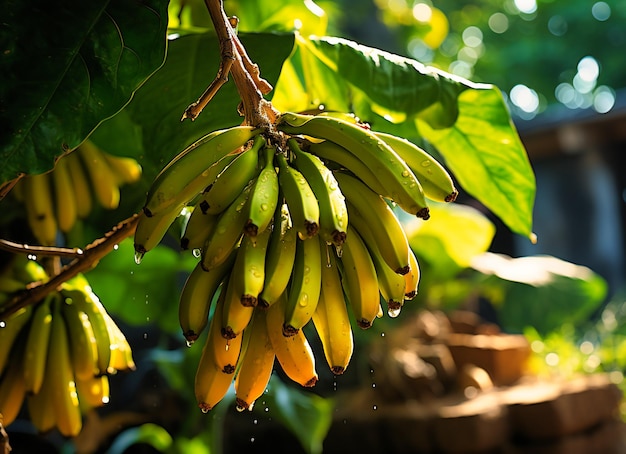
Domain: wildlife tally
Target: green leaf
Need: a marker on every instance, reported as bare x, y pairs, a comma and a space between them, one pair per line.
488, 159
67, 67
148, 433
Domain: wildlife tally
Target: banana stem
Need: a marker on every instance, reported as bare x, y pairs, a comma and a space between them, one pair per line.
83, 261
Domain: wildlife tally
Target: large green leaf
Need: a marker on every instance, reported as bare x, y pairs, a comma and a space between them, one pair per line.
65, 68
488, 159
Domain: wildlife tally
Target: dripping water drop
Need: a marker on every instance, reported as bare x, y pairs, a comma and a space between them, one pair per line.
138, 257
197, 253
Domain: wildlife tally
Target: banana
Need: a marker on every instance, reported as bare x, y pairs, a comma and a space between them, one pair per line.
256, 364
436, 182
121, 352
41, 409
62, 384
65, 200
229, 183
294, 353
264, 196
366, 208
80, 184
10, 329
359, 279
190, 172
103, 180
226, 351
331, 318
280, 257
198, 228
412, 278
227, 232
38, 199
236, 315
254, 250
93, 392
304, 288
332, 203
402, 186
126, 170
12, 390
150, 231
8, 284
195, 299
303, 206
36, 348
84, 348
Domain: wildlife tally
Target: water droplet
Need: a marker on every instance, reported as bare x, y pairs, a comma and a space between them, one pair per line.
426, 163
197, 253
3, 324
240, 408
116, 247
406, 173
189, 343
393, 313
304, 299
307, 269
339, 250
264, 206
138, 257
205, 410
374, 407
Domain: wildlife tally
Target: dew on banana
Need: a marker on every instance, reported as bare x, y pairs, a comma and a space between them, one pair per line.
139, 257
197, 253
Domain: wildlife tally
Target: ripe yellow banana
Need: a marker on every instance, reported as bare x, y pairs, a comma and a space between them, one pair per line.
412, 278
256, 364
191, 171
40, 204
41, 409
121, 352
332, 203
226, 351
126, 170
264, 196
236, 315
93, 392
436, 182
198, 228
359, 279
80, 184
102, 178
230, 182
65, 200
303, 206
331, 318
304, 289
401, 184
84, 348
36, 348
197, 295
366, 208
254, 250
12, 389
280, 257
294, 353
10, 329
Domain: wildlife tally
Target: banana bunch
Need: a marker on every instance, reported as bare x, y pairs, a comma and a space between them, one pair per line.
291, 224
56, 353
54, 201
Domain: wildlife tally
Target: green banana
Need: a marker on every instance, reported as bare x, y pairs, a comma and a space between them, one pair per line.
84, 349
303, 206
10, 329
254, 250
264, 196
402, 186
280, 257
332, 203
191, 171
36, 349
151, 230
198, 228
365, 207
304, 288
434, 178
229, 183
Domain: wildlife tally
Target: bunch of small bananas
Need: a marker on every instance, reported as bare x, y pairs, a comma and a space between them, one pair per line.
56, 354
289, 223
87, 175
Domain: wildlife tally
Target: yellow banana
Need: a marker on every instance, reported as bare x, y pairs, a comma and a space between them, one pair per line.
121, 352
229, 183
126, 170
151, 230
191, 171
402, 186
12, 390
236, 315
226, 351
40, 206
41, 409
434, 178
294, 354
198, 228
280, 257
256, 364
303, 206
197, 295
65, 199
304, 288
102, 178
264, 196
80, 184
365, 207
331, 318
36, 348
10, 329
359, 279
412, 278
84, 346
254, 250
332, 203
93, 392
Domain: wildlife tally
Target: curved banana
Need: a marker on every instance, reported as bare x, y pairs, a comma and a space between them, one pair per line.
402, 186
40, 208
12, 390
190, 172
304, 289
256, 363
36, 348
93, 392
294, 354
126, 170
226, 351
303, 206
84, 348
254, 250
359, 279
436, 182
121, 352
198, 228
264, 196
103, 180
281, 256
64, 197
229, 183
10, 328
41, 409
332, 203
331, 318
236, 315
80, 184
412, 278
366, 208
195, 299
151, 230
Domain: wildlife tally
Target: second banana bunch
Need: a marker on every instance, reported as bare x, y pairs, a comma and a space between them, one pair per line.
291, 224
